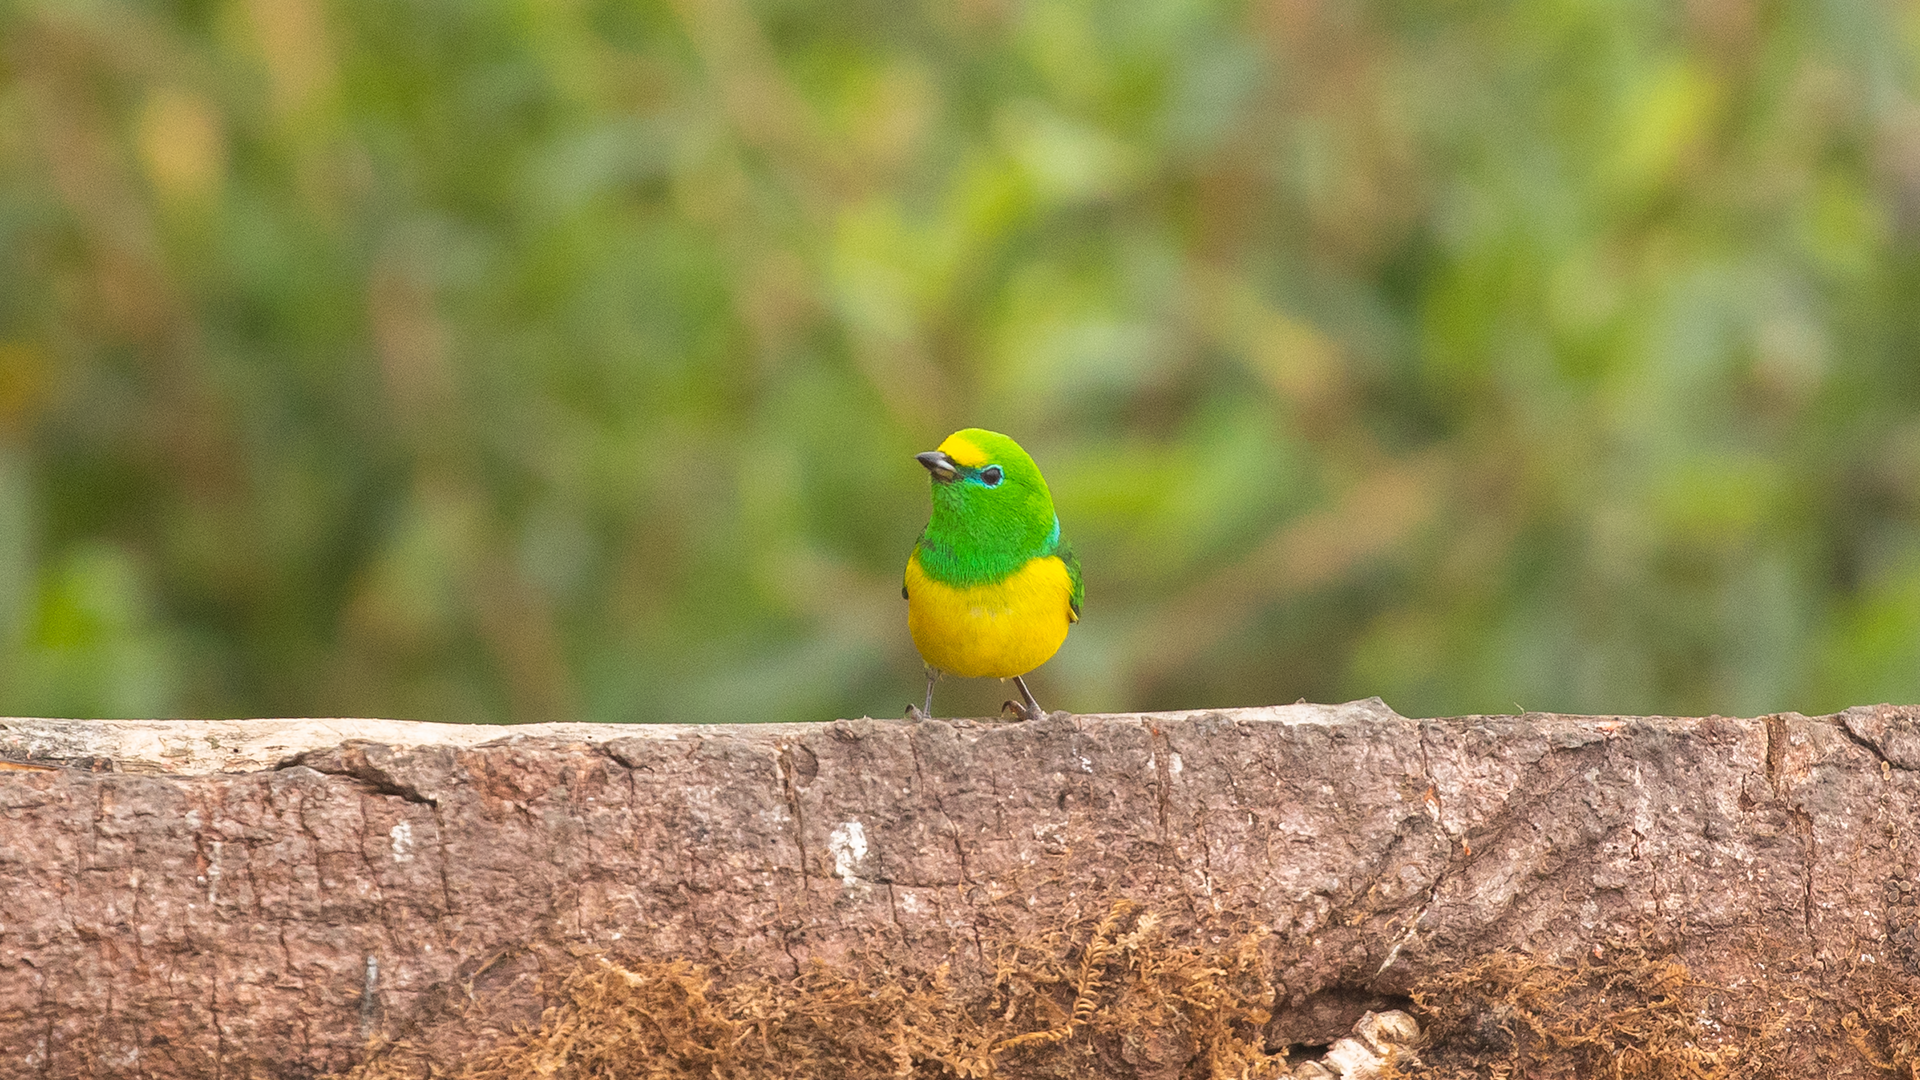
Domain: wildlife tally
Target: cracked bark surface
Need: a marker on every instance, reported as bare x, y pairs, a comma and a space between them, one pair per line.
257, 899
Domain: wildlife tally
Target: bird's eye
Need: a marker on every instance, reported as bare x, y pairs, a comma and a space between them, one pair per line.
990, 476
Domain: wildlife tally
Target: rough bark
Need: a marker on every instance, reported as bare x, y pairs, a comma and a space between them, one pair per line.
262, 898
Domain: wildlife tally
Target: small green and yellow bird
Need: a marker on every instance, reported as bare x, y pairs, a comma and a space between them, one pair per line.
991, 587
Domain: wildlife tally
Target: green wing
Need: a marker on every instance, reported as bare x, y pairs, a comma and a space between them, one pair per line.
1065, 551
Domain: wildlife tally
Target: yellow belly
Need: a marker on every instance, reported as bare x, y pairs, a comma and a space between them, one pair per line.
999, 630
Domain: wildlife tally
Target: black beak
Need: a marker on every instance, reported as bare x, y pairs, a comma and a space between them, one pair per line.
939, 464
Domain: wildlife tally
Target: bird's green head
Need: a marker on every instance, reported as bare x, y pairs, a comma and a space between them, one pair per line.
991, 508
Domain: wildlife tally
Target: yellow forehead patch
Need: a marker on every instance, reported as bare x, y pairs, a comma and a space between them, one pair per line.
964, 451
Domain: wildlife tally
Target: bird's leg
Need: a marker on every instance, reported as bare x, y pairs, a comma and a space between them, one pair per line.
1033, 710
925, 712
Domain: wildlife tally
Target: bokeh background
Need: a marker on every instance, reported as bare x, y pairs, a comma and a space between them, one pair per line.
563, 359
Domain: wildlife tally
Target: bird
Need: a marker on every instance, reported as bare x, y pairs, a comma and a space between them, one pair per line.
991, 586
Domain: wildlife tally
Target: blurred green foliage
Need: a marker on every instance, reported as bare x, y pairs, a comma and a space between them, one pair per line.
551, 359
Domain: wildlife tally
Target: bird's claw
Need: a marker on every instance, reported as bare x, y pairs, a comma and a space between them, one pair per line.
914, 714
1018, 711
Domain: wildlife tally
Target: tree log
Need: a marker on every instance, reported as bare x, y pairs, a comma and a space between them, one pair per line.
271, 898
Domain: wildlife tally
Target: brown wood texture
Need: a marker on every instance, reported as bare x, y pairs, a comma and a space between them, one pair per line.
261, 898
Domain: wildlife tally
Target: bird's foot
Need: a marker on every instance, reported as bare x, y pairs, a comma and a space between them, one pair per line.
1028, 709
914, 714
1019, 711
